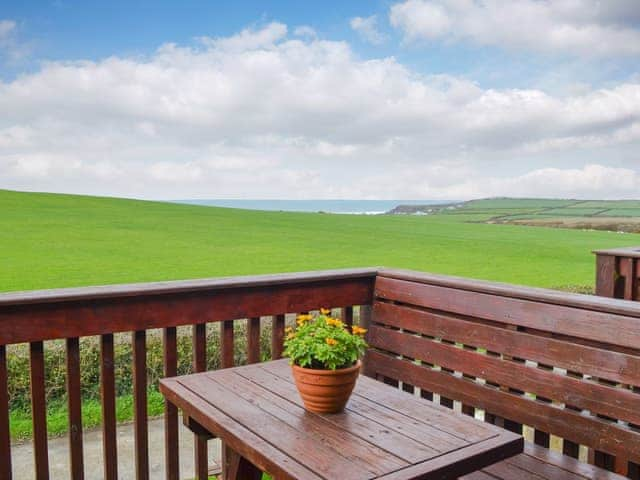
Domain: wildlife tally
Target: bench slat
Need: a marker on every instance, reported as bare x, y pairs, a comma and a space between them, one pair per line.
598, 398
620, 367
586, 324
606, 436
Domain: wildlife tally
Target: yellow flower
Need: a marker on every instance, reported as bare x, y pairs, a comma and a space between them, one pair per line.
334, 322
325, 311
288, 329
303, 318
291, 336
358, 330
331, 341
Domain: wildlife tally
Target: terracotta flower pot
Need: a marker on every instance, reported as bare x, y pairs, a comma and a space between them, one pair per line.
325, 391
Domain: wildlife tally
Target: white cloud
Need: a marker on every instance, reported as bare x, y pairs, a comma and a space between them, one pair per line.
249, 38
576, 27
367, 28
262, 115
305, 31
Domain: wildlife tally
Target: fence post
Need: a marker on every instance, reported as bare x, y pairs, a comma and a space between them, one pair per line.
618, 272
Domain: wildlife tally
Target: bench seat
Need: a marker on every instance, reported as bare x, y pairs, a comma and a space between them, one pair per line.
538, 463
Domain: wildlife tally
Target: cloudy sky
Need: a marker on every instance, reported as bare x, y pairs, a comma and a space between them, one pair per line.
431, 99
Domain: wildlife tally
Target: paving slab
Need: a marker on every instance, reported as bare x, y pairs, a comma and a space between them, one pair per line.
22, 458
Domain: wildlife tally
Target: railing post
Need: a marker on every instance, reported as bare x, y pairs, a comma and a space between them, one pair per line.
618, 272
617, 276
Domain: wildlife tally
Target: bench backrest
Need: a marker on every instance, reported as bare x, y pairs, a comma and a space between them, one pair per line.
558, 363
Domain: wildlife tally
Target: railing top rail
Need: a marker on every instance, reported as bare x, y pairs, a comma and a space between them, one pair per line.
178, 286
544, 295
633, 252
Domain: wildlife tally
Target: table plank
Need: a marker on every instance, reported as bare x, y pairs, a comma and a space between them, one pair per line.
388, 440
251, 446
462, 461
435, 416
365, 454
318, 456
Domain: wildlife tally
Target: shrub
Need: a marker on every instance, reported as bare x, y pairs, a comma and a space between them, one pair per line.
55, 362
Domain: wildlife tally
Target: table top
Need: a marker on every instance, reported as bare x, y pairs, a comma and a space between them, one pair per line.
384, 433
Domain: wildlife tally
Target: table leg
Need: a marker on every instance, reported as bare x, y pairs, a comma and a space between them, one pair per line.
200, 457
236, 467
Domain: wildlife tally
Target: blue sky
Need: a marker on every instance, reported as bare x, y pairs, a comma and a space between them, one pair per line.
68, 29
182, 99
74, 29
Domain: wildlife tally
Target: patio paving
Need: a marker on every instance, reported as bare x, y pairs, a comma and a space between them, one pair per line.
59, 454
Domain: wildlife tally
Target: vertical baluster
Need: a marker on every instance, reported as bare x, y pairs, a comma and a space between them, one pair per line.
628, 271
599, 458
5, 434
141, 435
539, 437
277, 336
201, 458
488, 416
74, 400
171, 450
407, 387
226, 334
39, 411
468, 409
511, 425
253, 340
347, 315
444, 401
570, 448
108, 399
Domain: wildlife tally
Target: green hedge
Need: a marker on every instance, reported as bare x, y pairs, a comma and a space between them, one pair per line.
55, 363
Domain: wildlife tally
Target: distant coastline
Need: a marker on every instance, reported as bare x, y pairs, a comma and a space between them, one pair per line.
354, 207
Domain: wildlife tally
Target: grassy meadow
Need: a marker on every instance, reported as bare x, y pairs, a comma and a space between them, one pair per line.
52, 240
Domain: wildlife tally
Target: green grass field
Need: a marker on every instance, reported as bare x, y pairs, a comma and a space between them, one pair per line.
513, 208
51, 240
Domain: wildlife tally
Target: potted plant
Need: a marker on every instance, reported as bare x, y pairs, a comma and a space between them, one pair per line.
324, 354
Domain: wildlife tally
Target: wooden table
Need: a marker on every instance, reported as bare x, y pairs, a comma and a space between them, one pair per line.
384, 433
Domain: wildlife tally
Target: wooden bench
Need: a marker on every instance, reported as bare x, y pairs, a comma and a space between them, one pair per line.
562, 369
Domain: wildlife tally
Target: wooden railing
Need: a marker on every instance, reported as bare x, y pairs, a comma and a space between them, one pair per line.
563, 369
555, 366
39, 316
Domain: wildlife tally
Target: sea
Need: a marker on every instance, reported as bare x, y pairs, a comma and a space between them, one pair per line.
355, 207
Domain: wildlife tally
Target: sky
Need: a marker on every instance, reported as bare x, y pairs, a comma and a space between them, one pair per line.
394, 99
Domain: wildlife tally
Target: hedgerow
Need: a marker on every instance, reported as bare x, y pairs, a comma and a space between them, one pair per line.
55, 363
